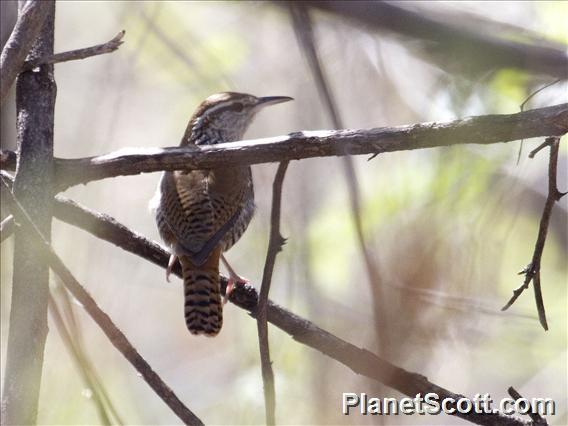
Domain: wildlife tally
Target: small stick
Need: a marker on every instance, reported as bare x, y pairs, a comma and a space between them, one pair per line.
73, 55
532, 271
275, 243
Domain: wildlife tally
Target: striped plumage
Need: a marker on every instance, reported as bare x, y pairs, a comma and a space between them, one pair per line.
202, 213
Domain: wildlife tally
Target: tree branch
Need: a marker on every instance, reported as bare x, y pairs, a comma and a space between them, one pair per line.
73, 55
359, 360
304, 33
35, 107
537, 419
485, 129
31, 17
83, 365
275, 243
116, 337
532, 271
454, 40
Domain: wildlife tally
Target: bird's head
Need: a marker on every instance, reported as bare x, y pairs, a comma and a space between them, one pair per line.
225, 117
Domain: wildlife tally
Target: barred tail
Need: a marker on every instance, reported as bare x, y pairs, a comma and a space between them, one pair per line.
202, 290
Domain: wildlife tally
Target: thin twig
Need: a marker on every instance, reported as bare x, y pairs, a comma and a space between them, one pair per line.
6, 227
359, 360
537, 419
532, 271
76, 335
304, 33
116, 337
275, 243
82, 363
73, 55
522, 108
25, 32
537, 91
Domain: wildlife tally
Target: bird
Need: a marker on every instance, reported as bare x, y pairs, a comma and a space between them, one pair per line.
200, 214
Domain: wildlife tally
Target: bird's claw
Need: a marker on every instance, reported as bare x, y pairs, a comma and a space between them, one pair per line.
231, 282
171, 264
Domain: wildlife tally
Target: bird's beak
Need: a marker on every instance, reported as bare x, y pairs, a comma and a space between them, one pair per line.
272, 100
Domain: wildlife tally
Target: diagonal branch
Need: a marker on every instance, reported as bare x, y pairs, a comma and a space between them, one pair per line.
73, 55
76, 335
537, 419
83, 365
361, 361
30, 20
275, 243
532, 271
454, 40
116, 337
304, 33
485, 129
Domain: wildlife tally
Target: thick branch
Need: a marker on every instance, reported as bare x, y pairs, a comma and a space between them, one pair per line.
116, 337
35, 106
30, 21
73, 55
275, 243
453, 39
359, 360
487, 129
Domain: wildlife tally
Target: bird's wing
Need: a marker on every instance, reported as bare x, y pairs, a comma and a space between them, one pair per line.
189, 211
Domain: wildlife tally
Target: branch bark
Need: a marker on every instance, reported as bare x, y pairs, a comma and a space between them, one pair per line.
31, 17
35, 104
359, 360
485, 129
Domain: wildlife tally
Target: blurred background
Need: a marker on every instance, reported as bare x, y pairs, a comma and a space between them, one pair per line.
447, 229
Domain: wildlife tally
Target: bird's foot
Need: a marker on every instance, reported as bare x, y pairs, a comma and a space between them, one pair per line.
233, 279
171, 264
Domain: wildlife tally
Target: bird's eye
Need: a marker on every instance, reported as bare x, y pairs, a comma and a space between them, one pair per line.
238, 107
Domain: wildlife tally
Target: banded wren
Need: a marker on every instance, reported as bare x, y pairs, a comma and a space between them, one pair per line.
202, 213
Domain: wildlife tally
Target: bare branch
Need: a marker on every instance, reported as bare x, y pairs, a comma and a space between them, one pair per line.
304, 33
532, 271
116, 337
453, 40
76, 335
486, 129
275, 243
82, 363
30, 21
245, 296
537, 419
73, 55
